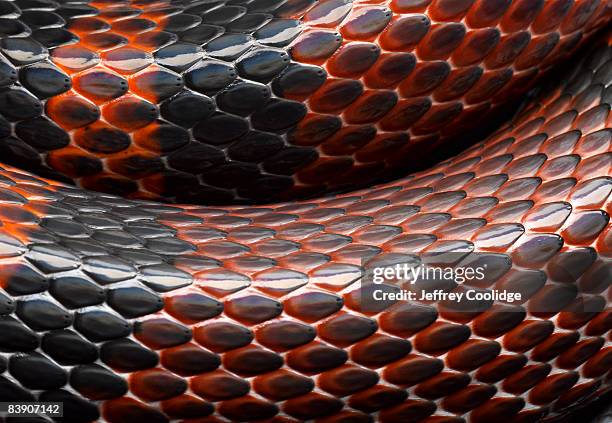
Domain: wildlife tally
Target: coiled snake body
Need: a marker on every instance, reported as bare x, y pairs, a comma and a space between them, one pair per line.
131, 310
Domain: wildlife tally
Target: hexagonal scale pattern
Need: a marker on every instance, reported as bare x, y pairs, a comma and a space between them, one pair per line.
128, 310
258, 100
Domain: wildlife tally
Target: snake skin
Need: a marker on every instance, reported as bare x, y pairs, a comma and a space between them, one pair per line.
215, 102
130, 311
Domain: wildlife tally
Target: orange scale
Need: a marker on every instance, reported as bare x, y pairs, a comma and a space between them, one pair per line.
187, 407
247, 408
604, 242
74, 58
495, 407
484, 13
69, 110
133, 26
156, 384
424, 79
101, 139
600, 16
282, 384
472, 354
437, 117
220, 283
136, 165
587, 99
459, 228
404, 32
554, 108
314, 129
599, 364
129, 112
581, 12
353, 59
468, 398
409, 6
347, 415
561, 167
348, 140
508, 49
312, 405
593, 119
248, 265
595, 166
528, 128
19, 213
458, 82
103, 41
552, 387
440, 337
444, 10
117, 409
26, 234
336, 381
100, 85
564, 49
36, 194
444, 419
87, 25
531, 415
576, 316
409, 410
112, 14
526, 378
371, 106
365, 23
476, 45
405, 114
381, 146
355, 254
551, 15
580, 352
335, 95
520, 15
153, 40
156, 83
554, 345
126, 60
537, 50
327, 14
579, 393
389, 70
500, 368
441, 41
462, 165
376, 398
315, 46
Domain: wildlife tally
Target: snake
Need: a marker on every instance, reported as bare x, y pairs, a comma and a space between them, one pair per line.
194, 193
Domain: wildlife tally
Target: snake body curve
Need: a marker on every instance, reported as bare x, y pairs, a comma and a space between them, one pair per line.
129, 310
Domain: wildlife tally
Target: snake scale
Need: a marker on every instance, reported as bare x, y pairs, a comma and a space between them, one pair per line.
210, 178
